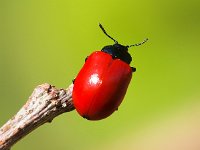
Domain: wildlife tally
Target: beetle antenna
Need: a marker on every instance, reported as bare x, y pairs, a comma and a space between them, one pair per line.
138, 44
104, 31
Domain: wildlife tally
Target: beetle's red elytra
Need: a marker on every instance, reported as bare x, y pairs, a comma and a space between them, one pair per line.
101, 84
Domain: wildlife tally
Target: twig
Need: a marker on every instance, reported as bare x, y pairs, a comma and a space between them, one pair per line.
45, 103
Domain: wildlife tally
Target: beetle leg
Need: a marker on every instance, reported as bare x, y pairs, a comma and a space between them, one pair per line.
133, 69
73, 80
86, 58
86, 117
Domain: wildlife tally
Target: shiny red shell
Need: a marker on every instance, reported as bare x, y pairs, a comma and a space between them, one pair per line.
100, 86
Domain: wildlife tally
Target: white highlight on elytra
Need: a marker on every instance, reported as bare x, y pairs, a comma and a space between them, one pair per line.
94, 79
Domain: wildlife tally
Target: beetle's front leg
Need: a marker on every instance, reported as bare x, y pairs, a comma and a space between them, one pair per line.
133, 69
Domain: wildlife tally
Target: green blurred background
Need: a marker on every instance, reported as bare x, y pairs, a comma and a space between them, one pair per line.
47, 41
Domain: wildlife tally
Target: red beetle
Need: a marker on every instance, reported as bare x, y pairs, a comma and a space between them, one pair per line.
101, 84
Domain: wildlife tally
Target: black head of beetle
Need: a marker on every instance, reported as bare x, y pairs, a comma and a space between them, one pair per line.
118, 51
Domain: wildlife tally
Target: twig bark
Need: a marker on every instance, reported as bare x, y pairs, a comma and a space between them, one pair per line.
45, 103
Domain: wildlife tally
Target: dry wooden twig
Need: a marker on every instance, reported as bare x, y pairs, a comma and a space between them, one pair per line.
45, 103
